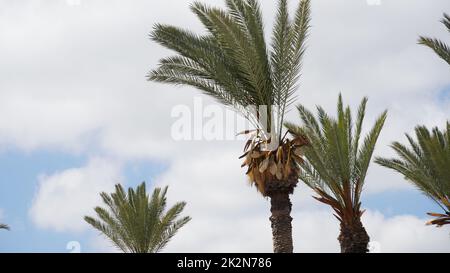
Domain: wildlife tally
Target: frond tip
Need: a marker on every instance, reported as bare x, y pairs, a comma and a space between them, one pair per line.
439, 47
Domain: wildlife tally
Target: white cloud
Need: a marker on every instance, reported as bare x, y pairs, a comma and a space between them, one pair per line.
64, 198
317, 231
406, 233
40, 122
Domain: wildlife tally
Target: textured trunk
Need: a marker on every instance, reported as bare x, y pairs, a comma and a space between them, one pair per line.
281, 222
354, 238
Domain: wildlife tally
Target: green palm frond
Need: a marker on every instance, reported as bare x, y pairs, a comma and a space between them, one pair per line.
336, 163
3, 226
136, 223
439, 47
233, 63
426, 163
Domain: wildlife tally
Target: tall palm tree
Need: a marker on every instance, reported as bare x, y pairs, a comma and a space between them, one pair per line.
336, 165
427, 165
233, 64
438, 46
3, 226
137, 223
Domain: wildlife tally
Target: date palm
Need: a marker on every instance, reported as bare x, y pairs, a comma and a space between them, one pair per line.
3, 226
336, 165
438, 46
233, 64
426, 163
136, 222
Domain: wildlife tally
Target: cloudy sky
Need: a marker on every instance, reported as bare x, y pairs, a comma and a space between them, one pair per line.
78, 116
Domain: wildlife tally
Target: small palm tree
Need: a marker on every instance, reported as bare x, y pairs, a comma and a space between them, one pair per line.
427, 165
438, 46
336, 165
3, 226
136, 223
233, 64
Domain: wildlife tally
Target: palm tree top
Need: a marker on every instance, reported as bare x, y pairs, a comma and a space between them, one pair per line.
438, 46
136, 222
337, 161
427, 165
233, 63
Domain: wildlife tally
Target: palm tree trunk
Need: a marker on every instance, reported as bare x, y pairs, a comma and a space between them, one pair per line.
353, 237
281, 222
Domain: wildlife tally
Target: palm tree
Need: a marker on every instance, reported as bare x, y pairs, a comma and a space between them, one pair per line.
438, 46
3, 226
336, 165
233, 64
427, 165
136, 223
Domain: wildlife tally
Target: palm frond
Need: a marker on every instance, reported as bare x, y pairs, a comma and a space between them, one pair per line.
425, 164
170, 225
438, 46
446, 21
366, 151
288, 47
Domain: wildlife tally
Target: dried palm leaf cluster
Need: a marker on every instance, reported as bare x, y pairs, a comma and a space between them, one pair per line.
273, 170
441, 219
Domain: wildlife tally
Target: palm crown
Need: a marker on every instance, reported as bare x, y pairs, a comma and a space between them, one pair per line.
438, 46
427, 165
336, 166
232, 62
136, 223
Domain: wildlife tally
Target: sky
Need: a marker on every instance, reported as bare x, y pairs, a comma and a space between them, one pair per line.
78, 116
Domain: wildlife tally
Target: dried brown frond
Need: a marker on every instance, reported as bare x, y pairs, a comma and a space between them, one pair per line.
441, 219
269, 170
